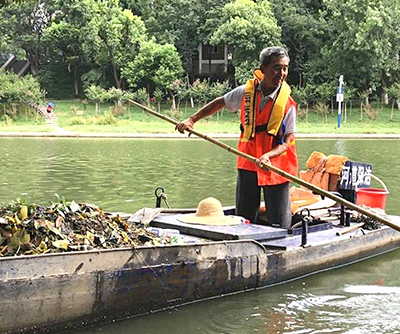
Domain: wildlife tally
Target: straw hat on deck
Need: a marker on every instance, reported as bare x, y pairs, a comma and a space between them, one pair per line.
209, 212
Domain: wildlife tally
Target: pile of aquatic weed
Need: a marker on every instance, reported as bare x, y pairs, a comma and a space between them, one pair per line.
29, 229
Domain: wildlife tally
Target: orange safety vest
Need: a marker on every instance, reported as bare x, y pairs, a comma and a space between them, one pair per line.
263, 142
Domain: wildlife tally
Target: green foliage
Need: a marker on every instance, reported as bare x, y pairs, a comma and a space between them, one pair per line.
55, 80
299, 95
173, 113
200, 91
394, 91
158, 95
243, 27
325, 92
72, 45
115, 95
64, 42
322, 109
363, 43
350, 93
6, 119
177, 23
24, 23
113, 37
93, 77
303, 32
96, 94
107, 119
218, 89
156, 64
180, 89
142, 96
15, 89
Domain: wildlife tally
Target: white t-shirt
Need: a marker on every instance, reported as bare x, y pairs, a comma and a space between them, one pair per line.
233, 101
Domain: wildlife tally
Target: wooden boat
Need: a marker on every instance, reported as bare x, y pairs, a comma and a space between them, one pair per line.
53, 292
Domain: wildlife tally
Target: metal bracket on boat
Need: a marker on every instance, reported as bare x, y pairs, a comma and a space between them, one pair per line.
306, 218
344, 213
160, 194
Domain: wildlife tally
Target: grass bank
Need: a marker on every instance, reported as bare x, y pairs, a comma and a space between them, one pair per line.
75, 116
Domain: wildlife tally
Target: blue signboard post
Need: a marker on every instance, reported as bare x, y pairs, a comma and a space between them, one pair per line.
339, 100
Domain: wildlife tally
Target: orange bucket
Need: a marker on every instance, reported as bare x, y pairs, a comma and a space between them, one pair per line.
372, 197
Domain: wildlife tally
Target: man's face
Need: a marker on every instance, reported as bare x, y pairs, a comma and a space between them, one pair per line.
275, 72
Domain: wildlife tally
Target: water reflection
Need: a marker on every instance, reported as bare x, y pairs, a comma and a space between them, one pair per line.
121, 174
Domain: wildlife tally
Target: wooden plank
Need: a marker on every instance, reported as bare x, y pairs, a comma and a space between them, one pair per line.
235, 232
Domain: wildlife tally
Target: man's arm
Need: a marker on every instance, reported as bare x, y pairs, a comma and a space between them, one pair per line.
207, 110
290, 121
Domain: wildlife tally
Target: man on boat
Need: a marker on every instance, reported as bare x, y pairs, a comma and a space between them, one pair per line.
268, 124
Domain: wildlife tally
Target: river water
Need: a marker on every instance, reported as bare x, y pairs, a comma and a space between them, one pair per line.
121, 175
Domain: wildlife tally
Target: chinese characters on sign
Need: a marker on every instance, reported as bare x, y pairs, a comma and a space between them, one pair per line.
355, 174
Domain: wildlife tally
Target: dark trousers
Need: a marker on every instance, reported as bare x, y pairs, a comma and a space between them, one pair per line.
277, 199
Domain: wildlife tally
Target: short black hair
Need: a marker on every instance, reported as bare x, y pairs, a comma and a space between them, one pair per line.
272, 51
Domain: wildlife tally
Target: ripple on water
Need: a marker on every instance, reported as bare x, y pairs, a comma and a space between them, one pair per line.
361, 309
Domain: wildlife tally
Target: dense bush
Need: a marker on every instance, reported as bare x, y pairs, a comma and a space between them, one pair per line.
15, 89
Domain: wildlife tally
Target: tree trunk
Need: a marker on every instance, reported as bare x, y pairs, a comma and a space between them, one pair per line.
209, 63
34, 62
307, 112
386, 98
188, 85
117, 79
391, 114
361, 110
76, 89
172, 99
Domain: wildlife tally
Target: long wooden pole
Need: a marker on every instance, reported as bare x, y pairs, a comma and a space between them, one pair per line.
276, 170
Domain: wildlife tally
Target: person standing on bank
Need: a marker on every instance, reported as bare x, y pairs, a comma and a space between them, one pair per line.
268, 125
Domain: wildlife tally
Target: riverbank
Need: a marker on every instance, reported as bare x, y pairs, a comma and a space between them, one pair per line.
71, 118
66, 134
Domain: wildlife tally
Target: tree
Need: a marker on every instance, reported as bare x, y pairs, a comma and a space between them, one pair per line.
303, 33
244, 28
96, 94
299, 95
155, 65
66, 34
113, 37
19, 90
394, 93
176, 22
24, 24
183, 23
363, 43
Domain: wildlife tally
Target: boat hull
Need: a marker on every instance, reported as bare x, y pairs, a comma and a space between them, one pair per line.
58, 291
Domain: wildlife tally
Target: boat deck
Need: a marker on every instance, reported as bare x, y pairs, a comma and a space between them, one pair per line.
272, 238
313, 239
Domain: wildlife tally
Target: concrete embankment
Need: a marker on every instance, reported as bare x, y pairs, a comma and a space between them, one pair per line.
67, 134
